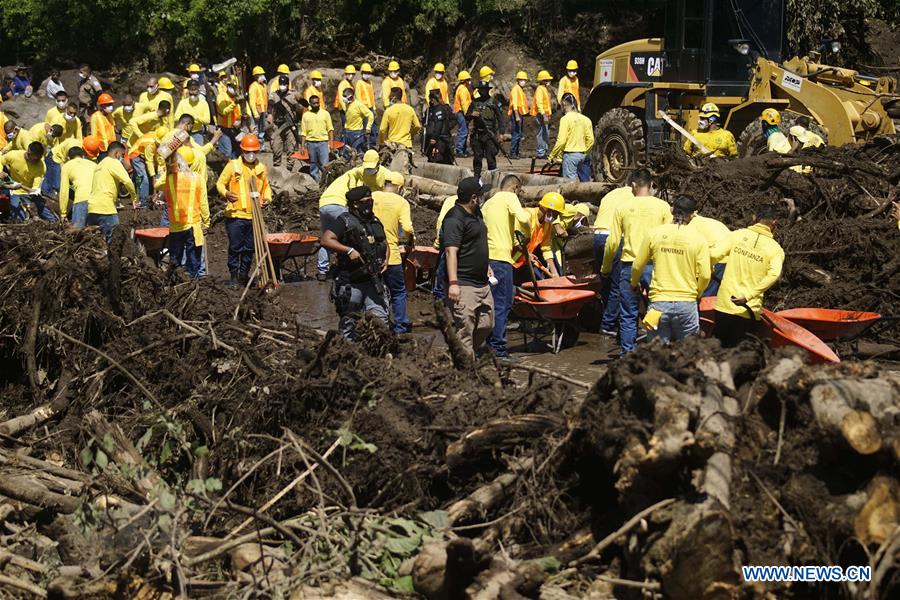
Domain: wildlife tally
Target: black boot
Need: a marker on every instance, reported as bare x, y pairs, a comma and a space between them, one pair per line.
234, 283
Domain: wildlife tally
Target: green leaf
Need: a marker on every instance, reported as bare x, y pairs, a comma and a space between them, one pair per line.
403, 546
404, 584
201, 451
361, 445
166, 500
548, 564
166, 453
213, 484
436, 519
145, 439
87, 456
196, 486
165, 522
101, 459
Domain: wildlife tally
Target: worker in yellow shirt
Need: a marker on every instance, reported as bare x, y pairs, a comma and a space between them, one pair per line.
57, 113
501, 213
754, 266
399, 123
438, 82
147, 122
123, 114
485, 76
315, 88
517, 111
440, 273
574, 142
188, 212
541, 234
102, 126
49, 137
16, 137
776, 141
393, 211
158, 90
110, 174
333, 201
393, 80
258, 103
462, 98
718, 239
3, 119
71, 124
802, 138
25, 169
717, 141
142, 155
234, 185
568, 84
228, 116
680, 274
365, 93
541, 110
357, 117
281, 70
345, 84
194, 73
631, 221
76, 182
316, 135
192, 103
570, 222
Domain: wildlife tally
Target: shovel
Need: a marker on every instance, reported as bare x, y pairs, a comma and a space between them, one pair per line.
523, 246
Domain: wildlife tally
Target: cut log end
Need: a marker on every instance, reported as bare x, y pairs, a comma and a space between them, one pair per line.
861, 432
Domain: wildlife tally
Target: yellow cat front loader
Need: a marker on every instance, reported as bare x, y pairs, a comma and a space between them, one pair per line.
728, 52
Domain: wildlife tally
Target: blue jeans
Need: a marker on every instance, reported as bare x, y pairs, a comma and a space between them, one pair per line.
183, 251
609, 292
584, 169
503, 300
50, 183
227, 144
363, 298
141, 179
718, 272
462, 133
440, 276
515, 128
678, 321
240, 246
570, 163
355, 139
328, 214
628, 305
164, 217
395, 282
542, 138
261, 130
17, 211
106, 223
373, 133
79, 215
198, 138
318, 158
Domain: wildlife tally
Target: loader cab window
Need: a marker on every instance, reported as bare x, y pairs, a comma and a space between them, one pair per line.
694, 24
685, 40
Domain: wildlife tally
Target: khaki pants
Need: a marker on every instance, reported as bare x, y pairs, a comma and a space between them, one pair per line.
283, 145
473, 315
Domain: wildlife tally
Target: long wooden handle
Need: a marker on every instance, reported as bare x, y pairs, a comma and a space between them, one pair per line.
661, 115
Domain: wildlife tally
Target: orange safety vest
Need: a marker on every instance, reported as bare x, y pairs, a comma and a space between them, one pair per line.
365, 93
183, 198
229, 119
462, 99
539, 233
137, 149
103, 128
518, 101
339, 95
541, 103
240, 184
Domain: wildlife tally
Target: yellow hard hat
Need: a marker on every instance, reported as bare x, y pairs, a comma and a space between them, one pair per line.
544, 76
393, 66
571, 66
284, 69
258, 71
350, 69
522, 75
161, 132
166, 84
553, 201
439, 68
771, 116
709, 109
187, 153
366, 68
395, 178
370, 159
485, 71
193, 68
315, 75
463, 76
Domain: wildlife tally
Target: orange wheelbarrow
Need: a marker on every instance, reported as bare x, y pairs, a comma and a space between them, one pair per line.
568, 282
153, 240
787, 333
831, 325
420, 267
284, 247
333, 146
557, 308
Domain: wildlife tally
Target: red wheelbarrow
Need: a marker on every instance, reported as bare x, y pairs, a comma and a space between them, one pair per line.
420, 267
285, 247
831, 325
787, 333
592, 283
557, 307
333, 146
153, 240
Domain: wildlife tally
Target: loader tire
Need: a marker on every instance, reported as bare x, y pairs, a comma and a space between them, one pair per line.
751, 141
619, 146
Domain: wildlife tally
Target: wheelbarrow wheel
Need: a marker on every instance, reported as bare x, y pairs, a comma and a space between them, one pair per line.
591, 316
570, 333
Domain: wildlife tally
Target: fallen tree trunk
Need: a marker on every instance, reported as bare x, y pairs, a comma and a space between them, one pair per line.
498, 434
572, 191
481, 501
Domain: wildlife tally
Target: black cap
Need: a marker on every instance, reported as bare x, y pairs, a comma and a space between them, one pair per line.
468, 187
684, 205
358, 193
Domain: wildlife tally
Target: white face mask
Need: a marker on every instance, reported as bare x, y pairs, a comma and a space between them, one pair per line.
62, 104
572, 73
317, 83
70, 117
128, 108
549, 218
395, 74
250, 157
522, 82
108, 109
261, 79
703, 124
283, 88
230, 90
195, 76
438, 75
152, 89
366, 76
194, 97
348, 99
349, 76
